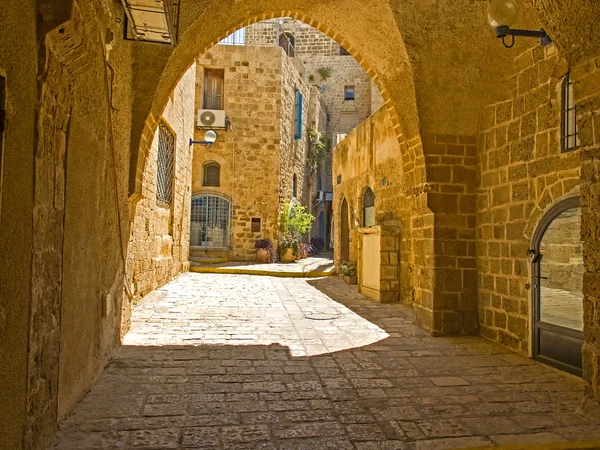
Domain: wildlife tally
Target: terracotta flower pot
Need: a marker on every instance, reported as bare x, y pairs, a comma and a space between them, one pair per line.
263, 256
350, 280
288, 256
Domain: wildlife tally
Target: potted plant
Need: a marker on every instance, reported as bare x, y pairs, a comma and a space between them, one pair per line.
265, 252
305, 250
294, 221
288, 248
348, 271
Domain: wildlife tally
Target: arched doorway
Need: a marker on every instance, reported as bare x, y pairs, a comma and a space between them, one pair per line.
210, 225
557, 288
345, 232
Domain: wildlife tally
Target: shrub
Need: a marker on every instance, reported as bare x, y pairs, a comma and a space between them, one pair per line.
348, 268
288, 241
294, 220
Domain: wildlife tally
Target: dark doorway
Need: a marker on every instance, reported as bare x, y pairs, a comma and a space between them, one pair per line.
557, 288
345, 232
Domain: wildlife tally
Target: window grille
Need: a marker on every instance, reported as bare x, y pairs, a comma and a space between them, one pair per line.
212, 175
349, 93
369, 208
236, 38
570, 131
298, 115
213, 89
210, 222
165, 164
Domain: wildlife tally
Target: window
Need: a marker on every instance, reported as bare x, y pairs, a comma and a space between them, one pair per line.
570, 132
165, 164
349, 93
298, 115
295, 186
343, 51
319, 180
2, 127
256, 225
339, 179
210, 222
369, 208
213, 88
287, 42
212, 174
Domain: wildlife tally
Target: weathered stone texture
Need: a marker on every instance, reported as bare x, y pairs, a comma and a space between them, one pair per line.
159, 236
259, 156
368, 157
522, 173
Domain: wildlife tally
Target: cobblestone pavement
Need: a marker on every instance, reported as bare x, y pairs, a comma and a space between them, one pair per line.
242, 362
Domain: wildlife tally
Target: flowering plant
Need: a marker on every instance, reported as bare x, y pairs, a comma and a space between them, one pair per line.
266, 244
348, 268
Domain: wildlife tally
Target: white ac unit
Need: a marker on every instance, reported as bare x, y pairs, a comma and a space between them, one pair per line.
211, 118
339, 138
320, 196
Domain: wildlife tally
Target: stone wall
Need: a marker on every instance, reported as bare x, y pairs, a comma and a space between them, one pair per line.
19, 64
259, 155
369, 157
522, 173
587, 95
159, 234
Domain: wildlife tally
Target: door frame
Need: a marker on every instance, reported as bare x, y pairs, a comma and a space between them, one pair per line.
344, 226
549, 217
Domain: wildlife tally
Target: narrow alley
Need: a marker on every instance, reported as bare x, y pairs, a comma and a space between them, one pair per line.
248, 362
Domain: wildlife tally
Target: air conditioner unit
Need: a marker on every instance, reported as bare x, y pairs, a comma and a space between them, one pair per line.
320, 196
211, 118
339, 138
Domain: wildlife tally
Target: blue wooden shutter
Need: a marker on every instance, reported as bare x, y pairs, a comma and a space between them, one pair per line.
298, 134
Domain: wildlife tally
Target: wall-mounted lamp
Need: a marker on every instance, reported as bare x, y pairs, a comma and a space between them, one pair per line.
502, 14
210, 137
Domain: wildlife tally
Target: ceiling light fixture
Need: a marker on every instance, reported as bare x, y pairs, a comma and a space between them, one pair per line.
502, 14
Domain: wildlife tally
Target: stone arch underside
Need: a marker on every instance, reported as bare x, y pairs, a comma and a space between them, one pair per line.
380, 51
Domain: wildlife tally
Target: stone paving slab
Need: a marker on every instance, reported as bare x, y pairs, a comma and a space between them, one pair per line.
232, 362
314, 266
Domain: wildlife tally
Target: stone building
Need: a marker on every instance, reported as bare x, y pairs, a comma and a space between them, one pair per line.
480, 177
257, 163
159, 234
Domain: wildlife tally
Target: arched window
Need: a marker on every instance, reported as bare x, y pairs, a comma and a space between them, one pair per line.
212, 174
295, 186
569, 130
287, 42
369, 208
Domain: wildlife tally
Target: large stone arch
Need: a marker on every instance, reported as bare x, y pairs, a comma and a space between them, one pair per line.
380, 51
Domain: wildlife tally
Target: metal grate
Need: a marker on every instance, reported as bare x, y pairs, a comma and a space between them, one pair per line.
570, 131
210, 222
165, 164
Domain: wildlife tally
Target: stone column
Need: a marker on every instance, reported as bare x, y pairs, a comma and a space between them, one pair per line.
447, 245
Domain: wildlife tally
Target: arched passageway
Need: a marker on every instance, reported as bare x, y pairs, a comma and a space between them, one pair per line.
78, 132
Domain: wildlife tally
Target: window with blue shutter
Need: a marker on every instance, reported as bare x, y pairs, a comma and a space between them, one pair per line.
298, 116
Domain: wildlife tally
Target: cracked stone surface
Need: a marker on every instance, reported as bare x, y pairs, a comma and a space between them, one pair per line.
232, 362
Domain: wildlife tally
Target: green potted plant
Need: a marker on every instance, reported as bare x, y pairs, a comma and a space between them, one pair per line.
265, 252
294, 221
348, 271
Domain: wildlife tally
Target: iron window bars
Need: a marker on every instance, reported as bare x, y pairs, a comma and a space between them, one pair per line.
165, 164
569, 129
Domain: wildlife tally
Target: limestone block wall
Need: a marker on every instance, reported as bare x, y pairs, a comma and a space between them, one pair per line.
293, 152
159, 234
344, 115
522, 172
587, 95
259, 156
371, 157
